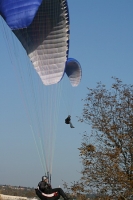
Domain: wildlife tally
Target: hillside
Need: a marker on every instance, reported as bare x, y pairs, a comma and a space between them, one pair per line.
17, 191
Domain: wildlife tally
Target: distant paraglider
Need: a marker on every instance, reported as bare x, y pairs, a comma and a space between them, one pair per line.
68, 121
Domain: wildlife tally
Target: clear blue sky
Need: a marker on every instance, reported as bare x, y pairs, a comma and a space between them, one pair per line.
101, 39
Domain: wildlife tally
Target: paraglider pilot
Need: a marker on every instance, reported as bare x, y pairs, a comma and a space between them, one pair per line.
45, 191
68, 121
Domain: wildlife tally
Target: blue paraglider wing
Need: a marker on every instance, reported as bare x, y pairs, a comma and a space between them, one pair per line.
19, 13
42, 26
46, 40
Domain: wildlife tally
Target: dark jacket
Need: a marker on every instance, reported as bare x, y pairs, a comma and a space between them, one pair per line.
67, 120
44, 187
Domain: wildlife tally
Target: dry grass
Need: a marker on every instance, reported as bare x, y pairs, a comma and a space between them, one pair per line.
1, 198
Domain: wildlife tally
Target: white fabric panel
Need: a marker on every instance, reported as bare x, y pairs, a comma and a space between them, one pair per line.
50, 56
73, 71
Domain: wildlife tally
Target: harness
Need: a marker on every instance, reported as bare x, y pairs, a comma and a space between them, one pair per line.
43, 195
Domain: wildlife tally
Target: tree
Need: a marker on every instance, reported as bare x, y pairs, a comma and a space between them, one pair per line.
108, 158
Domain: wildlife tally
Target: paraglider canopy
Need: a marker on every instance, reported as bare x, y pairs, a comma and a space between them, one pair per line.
25, 9
73, 71
43, 29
